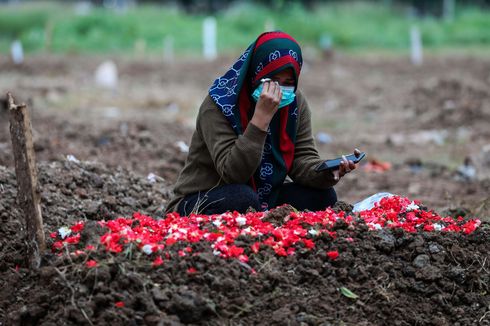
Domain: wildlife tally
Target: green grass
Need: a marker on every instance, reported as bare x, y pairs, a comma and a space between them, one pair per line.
354, 26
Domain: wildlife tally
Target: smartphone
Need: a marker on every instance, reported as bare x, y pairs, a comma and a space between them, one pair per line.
335, 163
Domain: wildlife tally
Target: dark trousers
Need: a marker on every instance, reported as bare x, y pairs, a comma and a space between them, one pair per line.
239, 197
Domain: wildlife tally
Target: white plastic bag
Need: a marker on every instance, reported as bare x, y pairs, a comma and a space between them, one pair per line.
369, 202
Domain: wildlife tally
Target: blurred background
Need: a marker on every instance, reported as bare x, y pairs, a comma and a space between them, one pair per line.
125, 26
120, 82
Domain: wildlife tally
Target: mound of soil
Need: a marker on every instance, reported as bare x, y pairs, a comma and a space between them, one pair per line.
73, 191
400, 278
450, 103
141, 146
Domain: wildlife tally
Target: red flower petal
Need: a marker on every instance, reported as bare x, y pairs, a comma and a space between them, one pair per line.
334, 254
91, 263
157, 262
78, 227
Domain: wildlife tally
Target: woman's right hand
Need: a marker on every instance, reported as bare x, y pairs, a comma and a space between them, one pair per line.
267, 104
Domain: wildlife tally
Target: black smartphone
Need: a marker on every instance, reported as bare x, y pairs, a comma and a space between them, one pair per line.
335, 163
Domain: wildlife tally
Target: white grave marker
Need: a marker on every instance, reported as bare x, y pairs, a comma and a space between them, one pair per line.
106, 75
448, 10
209, 38
168, 49
17, 52
416, 46
269, 25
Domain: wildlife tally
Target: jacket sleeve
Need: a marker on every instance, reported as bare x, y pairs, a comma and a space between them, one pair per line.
306, 157
235, 157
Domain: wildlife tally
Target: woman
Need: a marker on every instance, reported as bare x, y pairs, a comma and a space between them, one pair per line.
253, 130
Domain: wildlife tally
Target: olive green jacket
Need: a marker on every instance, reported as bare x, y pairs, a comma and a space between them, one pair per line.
217, 156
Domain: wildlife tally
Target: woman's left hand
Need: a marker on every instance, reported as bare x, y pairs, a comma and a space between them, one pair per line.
346, 166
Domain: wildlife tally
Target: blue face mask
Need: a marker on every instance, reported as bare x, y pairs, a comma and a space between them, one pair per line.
288, 94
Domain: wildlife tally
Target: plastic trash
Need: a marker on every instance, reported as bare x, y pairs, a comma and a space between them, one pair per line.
323, 138
184, 148
377, 166
152, 178
369, 202
72, 158
466, 172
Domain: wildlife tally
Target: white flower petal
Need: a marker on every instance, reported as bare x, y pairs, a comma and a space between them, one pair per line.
412, 206
313, 232
147, 249
241, 221
64, 232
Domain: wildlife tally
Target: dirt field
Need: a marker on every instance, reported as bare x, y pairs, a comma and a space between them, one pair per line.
424, 121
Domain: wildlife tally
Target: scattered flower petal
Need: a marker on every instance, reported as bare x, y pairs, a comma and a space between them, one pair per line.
147, 249
334, 254
64, 232
157, 262
220, 232
91, 263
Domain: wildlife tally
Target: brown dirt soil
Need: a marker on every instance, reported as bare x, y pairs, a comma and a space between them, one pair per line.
377, 104
400, 278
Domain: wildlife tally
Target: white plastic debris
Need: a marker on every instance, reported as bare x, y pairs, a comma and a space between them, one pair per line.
106, 75
152, 178
369, 202
323, 138
147, 249
467, 171
64, 231
182, 146
71, 158
172, 109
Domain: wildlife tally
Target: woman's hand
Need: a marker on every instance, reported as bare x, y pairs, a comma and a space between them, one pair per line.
345, 166
267, 105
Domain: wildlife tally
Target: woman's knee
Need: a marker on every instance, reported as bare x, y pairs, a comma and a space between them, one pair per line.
232, 197
330, 196
303, 197
241, 197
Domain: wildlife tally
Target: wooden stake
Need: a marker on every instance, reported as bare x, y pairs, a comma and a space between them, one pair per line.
26, 173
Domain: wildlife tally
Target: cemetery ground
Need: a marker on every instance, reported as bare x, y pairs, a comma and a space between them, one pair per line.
105, 153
